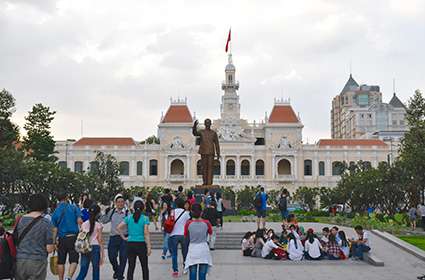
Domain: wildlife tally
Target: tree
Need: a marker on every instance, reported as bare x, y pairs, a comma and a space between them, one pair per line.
307, 196
412, 150
151, 140
106, 175
9, 132
38, 142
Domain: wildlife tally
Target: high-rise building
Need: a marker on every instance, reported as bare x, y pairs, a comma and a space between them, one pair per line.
358, 112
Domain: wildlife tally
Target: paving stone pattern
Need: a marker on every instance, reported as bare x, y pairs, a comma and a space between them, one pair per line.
230, 265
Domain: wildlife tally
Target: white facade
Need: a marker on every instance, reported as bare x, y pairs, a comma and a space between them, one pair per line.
269, 153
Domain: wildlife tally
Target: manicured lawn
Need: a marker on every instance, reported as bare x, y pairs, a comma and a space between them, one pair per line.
418, 241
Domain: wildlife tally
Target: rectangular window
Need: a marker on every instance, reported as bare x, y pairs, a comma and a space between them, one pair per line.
363, 100
153, 167
321, 168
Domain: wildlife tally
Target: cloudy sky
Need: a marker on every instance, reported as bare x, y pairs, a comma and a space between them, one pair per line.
115, 64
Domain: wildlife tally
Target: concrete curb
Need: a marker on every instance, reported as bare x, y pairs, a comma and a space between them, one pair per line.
409, 248
372, 259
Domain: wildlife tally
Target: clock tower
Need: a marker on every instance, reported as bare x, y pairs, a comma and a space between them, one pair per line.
230, 107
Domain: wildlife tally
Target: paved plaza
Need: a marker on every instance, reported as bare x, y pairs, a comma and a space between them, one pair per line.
230, 265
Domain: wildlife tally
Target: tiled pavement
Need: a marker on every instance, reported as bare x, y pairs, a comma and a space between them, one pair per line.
229, 265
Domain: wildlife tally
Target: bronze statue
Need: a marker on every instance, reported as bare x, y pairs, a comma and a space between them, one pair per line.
208, 148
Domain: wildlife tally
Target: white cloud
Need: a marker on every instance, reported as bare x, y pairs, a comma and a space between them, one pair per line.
116, 64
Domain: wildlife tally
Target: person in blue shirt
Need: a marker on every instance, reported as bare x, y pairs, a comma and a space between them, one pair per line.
85, 210
261, 208
139, 245
66, 221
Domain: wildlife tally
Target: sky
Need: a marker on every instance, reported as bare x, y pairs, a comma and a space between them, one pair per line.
115, 64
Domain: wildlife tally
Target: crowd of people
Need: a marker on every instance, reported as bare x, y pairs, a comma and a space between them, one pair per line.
293, 243
75, 232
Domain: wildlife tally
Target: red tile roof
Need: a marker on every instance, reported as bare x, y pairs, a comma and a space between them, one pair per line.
351, 142
177, 114
283, 114
107, 141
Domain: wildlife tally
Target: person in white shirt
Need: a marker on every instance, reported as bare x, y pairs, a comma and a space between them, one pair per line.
181, 216
248, 243
295, 248
266, 251
312, 247
360, 243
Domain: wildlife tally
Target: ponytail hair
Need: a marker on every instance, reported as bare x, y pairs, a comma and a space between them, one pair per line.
94, 211
139, 206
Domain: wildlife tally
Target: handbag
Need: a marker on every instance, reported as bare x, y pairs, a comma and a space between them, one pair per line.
170, 222
54, 263
82, 244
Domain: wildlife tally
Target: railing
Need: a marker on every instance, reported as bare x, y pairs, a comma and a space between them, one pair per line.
230, 177
285, 177
259, 176
177, 177
246, 177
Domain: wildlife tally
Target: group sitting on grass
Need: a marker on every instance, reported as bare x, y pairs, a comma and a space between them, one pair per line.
295, 244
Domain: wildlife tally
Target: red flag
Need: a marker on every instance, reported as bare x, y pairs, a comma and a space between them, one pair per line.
228, 39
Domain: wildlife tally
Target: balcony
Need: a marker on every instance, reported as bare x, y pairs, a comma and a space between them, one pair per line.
230, 177
246, 177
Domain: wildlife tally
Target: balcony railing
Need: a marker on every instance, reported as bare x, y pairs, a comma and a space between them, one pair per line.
177, 177
286, 178
230, 177
246, 177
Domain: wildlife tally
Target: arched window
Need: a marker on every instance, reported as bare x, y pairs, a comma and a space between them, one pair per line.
124, 168
139, 168
78, 166
153, 167
198, 168
94, 166
230, 167
259, 167
308, 167
284, 167
337, 168
245, 166
177, 167
216, 168
62, 164
321, 168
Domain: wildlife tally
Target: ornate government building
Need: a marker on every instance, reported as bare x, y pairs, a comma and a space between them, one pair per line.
269, 153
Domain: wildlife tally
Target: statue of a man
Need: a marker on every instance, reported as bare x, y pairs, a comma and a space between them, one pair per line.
208, 148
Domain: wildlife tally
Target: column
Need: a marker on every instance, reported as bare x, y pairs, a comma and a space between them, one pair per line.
252, 168
222, 167
133, 168
273, 167
238, 167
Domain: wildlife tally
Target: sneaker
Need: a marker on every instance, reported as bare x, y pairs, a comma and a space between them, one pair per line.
175, 274
115, 276
212, 249
163, 257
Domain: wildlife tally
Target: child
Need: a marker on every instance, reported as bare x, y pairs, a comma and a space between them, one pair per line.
247, 244
295, 248
312, 246
325, 236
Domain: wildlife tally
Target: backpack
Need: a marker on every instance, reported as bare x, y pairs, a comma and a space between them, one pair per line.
8, 248
170, 222
82, 244
7, 260
283, 203
258, 201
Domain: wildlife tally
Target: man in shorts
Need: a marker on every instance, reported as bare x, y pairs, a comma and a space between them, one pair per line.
261, 208
66, 221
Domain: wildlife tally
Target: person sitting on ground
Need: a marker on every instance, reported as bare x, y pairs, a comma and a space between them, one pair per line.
270, 233
344, 244
332, 249
294, 231
313, 248
248, 243
259, 243
295, 248
334, 232
269, 250
325, 236
360, 243
283, 239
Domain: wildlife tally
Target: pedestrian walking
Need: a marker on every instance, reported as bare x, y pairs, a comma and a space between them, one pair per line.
117, 246
198, 258
220, 209
412, 217
163, 216
210, 214
139, 245
66, 221
35, 241
96, 256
